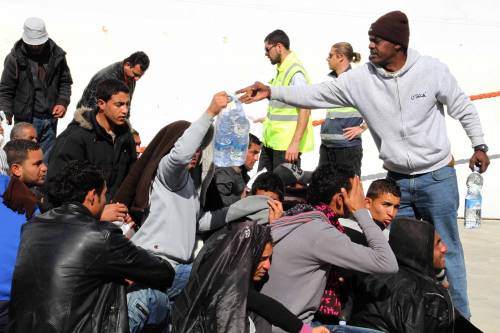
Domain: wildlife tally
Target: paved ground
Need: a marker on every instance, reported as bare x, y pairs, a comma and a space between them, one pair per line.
482, 257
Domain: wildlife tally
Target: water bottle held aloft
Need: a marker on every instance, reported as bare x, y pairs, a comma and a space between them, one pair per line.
231, 135
473, 200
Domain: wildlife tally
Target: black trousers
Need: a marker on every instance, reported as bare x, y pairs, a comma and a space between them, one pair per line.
349, 156
270, 158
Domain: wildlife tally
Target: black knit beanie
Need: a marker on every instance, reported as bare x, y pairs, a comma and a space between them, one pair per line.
392, 27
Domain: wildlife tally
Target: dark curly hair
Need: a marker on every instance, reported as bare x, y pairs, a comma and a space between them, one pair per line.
327, 180
74, 182
269, 182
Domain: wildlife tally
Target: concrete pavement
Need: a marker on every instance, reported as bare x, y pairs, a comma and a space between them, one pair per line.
482, 259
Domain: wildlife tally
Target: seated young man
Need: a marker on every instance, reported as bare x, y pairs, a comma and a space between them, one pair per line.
295, 180
71, 268
411, 300
308, 242
18, 204
227, 275
382, 200
228, 184
163, 189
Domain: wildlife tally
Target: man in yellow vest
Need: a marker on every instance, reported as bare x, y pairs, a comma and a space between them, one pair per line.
287, 130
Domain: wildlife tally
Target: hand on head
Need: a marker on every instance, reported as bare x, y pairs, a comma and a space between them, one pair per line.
355, 198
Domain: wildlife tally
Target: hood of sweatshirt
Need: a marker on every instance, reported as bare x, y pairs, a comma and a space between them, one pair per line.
412, 241
286, 225
254, 208
412, 57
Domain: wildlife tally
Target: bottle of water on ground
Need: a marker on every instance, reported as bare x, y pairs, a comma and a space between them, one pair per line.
231, 135
473, 199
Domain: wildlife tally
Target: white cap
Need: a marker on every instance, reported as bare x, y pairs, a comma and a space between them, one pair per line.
35, 32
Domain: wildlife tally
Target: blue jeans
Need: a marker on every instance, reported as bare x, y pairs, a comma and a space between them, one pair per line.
433, 197
152, 307
46, 130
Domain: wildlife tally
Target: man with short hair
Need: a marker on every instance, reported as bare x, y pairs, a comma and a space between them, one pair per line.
18, 204
382, 200
129, 71
411, 300
303, 252
80, 287
103, 137
23, 130
401, 95
287, 130
229, 183
36, 82
137, 142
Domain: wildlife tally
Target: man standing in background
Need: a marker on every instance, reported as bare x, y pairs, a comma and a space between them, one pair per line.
287, 130
36, 83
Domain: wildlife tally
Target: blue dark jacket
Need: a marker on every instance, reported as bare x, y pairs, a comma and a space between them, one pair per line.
10, 235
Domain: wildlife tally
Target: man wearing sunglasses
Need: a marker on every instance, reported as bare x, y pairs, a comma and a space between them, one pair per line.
287, 129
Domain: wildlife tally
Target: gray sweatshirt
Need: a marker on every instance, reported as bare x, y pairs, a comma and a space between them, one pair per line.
404, 110
174, 216
304, 252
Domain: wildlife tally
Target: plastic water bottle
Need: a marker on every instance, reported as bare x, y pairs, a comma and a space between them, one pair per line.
231, 135
473, 199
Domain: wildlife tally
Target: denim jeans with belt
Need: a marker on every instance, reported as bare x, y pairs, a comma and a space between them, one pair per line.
433, 197
151, 307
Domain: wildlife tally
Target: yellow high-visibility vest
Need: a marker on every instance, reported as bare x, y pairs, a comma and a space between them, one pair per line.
281, 120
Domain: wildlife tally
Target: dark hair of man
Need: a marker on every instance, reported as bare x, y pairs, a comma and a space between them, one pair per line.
326, 181
138, 58
74, 182
278, 36
253, 140
107, 88
17, 150
269, 182
17, 129
381, 186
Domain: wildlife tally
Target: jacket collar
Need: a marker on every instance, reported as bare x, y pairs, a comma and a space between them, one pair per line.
86, 119
19, 52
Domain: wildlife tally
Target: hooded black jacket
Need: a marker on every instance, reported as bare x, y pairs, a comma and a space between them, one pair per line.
17, 91
84, 139
411, 300
215, 298
70, 271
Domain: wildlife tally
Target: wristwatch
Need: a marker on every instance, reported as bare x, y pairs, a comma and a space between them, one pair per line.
483, 148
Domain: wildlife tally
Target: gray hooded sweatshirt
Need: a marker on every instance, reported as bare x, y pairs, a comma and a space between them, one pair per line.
404, 110
305, 247
175, 216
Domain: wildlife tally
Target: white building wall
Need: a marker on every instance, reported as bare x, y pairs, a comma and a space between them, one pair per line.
200, 47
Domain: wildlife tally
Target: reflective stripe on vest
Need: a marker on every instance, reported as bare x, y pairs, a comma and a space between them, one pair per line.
333, 137
282, 117
342, 113
281, 121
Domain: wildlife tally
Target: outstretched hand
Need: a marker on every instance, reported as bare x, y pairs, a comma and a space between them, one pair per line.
256, 92
480, 159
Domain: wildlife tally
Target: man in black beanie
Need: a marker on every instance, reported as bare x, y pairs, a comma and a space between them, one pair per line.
401, 96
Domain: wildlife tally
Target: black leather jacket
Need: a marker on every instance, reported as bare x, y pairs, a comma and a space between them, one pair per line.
70, 274
411, 300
